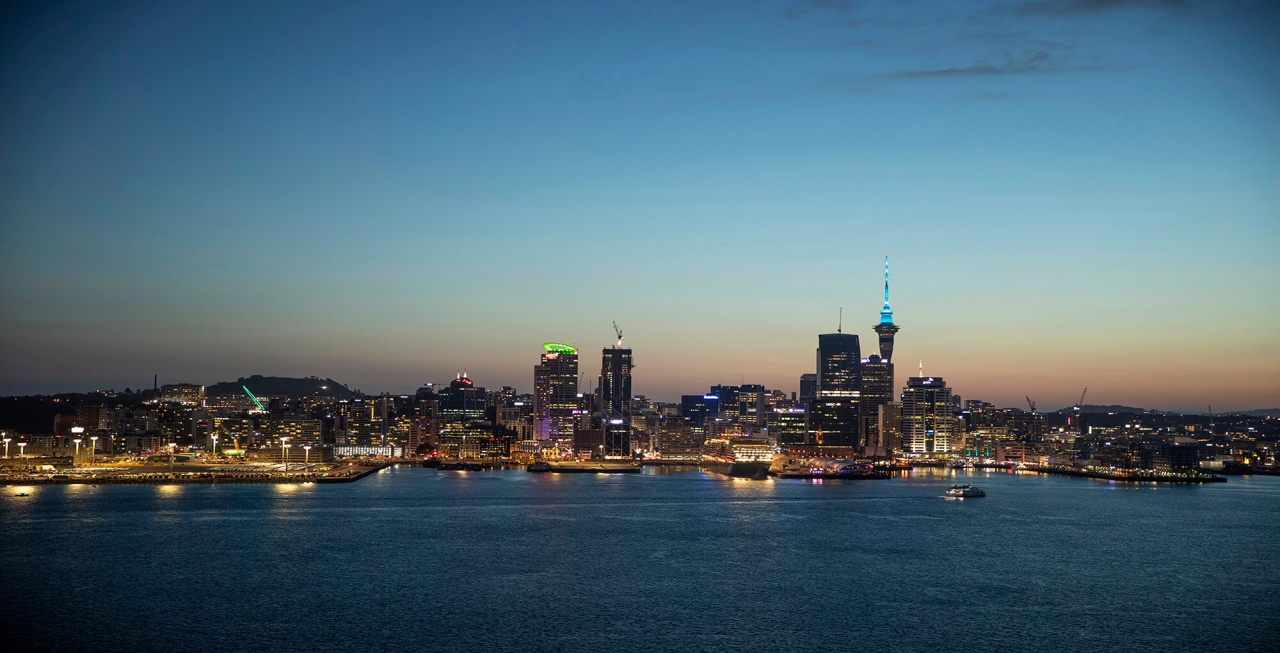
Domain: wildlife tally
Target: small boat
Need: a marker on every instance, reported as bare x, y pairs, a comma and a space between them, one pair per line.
540, 466
22, 494
965, 491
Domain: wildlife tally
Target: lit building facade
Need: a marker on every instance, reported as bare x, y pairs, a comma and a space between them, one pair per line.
555, 392
928, 427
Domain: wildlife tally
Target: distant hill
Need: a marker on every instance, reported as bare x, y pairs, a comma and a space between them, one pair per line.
281, 385
1093, 409
1261, 412
1090, 408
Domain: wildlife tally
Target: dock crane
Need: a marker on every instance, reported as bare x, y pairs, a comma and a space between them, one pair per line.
619, 332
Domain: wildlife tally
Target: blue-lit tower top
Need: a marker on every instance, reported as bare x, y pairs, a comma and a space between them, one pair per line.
886, 328
886, 313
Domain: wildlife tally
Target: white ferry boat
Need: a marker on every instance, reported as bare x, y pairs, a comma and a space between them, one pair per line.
965, 491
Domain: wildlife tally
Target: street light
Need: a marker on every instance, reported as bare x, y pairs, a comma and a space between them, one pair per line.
21, 447
284, 454
6, 446
77, 431
306, 456
93, 450
215, 445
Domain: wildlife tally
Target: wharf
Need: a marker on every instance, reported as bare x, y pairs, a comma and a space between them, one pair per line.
204, 476
588, 467
1128, 477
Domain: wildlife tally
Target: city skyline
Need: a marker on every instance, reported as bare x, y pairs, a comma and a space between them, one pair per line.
1073, 194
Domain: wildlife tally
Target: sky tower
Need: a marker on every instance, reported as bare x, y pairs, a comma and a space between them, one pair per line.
886, 328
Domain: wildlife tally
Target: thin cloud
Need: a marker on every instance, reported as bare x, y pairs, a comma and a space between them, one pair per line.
1032, 63
1082, 7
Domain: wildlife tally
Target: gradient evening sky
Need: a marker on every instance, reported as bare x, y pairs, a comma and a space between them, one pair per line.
1073, 193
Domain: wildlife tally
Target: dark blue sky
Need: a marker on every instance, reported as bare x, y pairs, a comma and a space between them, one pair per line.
1074, 193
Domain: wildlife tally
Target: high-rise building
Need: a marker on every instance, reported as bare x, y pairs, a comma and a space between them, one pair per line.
886, 328
833, 413
697, 409
877, 390
808, 388
555, 392
928, 426
462, 401
615, 401
752, 412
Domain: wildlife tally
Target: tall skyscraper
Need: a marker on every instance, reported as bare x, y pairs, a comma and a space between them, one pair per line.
886, 328
833, 413
928, 426
877, 372
877, 390
615, 400
555, 392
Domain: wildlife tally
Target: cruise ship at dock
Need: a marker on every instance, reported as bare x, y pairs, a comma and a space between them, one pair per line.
737, 457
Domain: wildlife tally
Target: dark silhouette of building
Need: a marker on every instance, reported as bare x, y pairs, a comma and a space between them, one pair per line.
462, 401
833, 413
615, 401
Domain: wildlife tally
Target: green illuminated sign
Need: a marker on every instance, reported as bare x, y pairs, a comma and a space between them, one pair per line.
557, 348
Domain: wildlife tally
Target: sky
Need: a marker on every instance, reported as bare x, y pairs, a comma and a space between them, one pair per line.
1072, 193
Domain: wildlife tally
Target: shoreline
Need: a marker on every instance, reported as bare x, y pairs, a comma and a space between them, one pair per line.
196, 478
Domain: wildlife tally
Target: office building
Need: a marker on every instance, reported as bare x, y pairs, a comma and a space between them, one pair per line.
615, 401
555, 392
462, 401
833, 413
928, 426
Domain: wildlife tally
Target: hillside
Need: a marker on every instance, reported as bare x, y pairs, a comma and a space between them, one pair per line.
265, 386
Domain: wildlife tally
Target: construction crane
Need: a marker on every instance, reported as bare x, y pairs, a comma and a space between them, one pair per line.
1032, 404
255, 399
1081, 402
619, 332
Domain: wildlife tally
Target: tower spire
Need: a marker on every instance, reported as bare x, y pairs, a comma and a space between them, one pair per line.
886, 328
886, 313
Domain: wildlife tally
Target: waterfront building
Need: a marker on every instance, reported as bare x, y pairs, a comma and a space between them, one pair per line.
833, 413
877, 390
555, 392
615, 401
889, 435
928, 426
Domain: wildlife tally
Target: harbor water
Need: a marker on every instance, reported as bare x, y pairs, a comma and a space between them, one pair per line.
414, 559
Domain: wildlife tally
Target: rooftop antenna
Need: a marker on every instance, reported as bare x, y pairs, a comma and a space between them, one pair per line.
922, 368
840, 322
619, 332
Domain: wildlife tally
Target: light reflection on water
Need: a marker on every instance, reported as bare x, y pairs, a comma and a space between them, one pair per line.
680, 559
